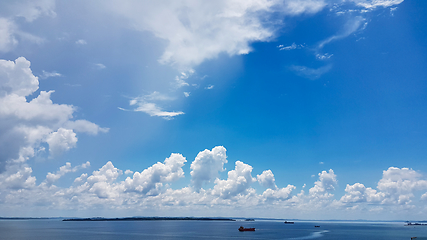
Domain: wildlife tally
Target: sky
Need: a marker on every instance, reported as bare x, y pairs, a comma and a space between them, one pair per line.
308, 109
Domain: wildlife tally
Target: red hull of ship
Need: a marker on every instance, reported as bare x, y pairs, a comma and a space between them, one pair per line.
247, 229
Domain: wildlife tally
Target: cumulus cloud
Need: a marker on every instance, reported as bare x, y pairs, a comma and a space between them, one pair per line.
18, 178
278, 194
397, 186
238, 182
25, 126
53, 177
61, 141
266, 179
151, 189
326, 184
151, 179
207, 164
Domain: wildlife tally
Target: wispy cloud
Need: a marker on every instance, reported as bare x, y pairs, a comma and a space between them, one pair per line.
100, 66
291, 47
370, 5
81, 42
350, 27
310, 73
150, 104
324, 56
45, 74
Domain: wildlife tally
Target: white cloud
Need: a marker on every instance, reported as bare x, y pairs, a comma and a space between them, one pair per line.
81, 178
207, 164
200, 30
350, 27
151, 179
186, 94
100, 66
85, 126
311, 73
372, 4
238, 182
358, 193
30, 11
326, 184
266, 179
27, 125
151, 190
49, 74
148, 104
108, 173
18, 178
280, 194
61, 141
7, 38
53, 177
324, 56
153, 110
291, 47
397, 186
81, 42
209, 87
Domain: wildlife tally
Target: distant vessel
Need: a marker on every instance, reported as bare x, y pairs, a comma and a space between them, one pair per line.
416, 224
286, 222
316, 226
249, 219
242, 229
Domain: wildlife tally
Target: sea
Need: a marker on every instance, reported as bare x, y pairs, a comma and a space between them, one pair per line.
179, 229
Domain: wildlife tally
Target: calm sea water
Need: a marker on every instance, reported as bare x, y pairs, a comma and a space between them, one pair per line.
59, 230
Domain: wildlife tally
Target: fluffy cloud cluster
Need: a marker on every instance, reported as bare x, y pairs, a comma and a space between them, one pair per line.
151, 180
397, 186
152, 189
207, 164
26, 125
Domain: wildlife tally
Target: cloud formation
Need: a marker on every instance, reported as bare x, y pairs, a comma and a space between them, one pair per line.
26, 126
152, 188
200, 30
149, 104
30, 11
207, 164
311, 73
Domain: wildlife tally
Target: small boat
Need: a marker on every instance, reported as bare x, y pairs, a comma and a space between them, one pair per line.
242, 229
316, 226
286, 222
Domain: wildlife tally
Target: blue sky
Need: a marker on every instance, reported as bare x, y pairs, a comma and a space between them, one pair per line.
312, 109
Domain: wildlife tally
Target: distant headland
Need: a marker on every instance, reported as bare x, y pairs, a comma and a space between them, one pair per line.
150, 219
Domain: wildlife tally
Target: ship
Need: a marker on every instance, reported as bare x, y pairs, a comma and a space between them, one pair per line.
243, 229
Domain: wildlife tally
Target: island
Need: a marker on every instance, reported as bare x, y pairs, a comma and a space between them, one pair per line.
150, 219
